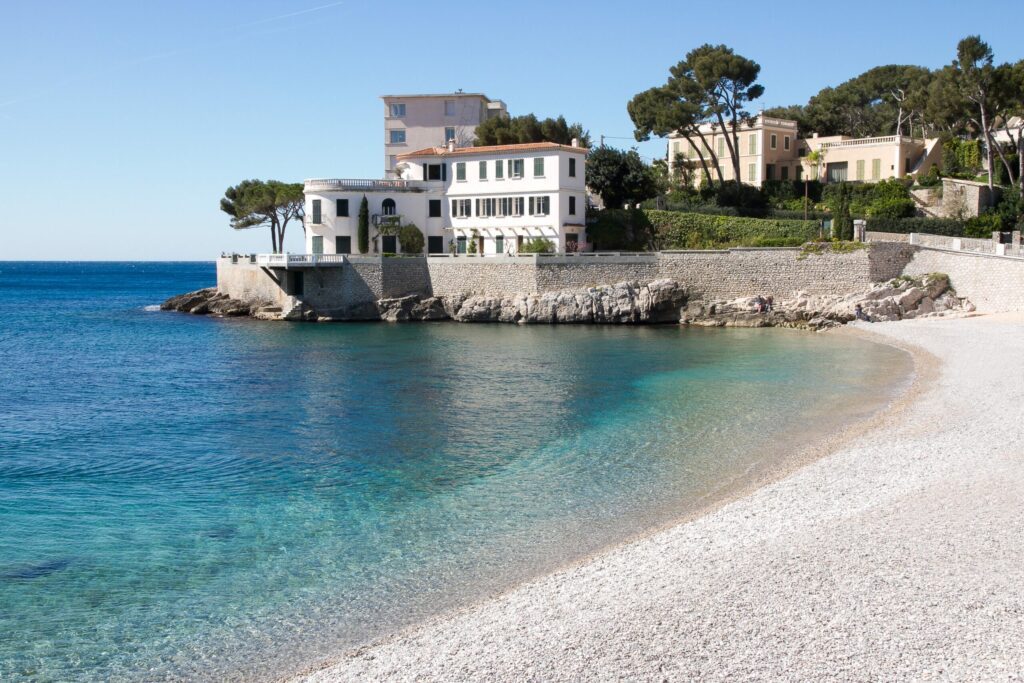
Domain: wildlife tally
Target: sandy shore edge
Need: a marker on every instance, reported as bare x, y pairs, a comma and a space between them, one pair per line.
925, 369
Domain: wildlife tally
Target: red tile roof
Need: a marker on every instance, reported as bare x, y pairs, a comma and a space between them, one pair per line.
491, 149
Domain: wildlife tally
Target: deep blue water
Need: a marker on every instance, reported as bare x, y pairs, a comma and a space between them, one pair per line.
188, 497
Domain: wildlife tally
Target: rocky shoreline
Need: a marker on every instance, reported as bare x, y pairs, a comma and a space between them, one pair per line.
630, 303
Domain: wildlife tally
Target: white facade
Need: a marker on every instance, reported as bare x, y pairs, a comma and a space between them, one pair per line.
484, 200
414, 122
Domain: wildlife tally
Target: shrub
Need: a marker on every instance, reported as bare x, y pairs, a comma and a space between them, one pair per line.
983, 225
933, 226
892, 207
619, 229
678, 230
746, 196
411, 239
537, 245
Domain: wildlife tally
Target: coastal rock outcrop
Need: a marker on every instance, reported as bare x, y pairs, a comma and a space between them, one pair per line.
405, 308
899, 299
621, 303
207, 301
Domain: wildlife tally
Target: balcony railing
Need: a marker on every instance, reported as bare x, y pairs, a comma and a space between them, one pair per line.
321, 184
299, 260
865, 142
390, 220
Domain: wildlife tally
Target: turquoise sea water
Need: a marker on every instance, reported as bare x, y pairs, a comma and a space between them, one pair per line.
190, 498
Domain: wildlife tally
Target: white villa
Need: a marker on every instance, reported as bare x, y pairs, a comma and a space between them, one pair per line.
495, 197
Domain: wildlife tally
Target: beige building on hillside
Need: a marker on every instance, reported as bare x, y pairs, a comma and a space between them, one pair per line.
869, 160
414, 122
769, 149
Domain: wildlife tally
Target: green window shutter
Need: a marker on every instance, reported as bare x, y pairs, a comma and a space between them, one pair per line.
499, 169
721, 147
753, 144
752, 173
455, 208
860, 169
538, 167
460, 170
499, 244
876, 168
318, 244
483, 170
572, 168
316, 211
531, 205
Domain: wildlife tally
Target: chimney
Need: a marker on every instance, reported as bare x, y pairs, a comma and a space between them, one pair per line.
451, 145
575, 142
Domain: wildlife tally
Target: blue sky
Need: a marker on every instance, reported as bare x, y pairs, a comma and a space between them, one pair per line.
121, 123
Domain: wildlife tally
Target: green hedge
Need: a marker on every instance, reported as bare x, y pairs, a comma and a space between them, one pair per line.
932, 226
677, 230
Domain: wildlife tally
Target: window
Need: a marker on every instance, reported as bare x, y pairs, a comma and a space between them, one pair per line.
318, 244
785, 142
876, 169
342, 245
752, 149
449, 133
785, 172
460, 171
675, 149
461, 243
486, 207
517, 206
538, 167
397, 110
341, 208
572, 206
483, 170
435, 244
769, 171
572, 168
397, 136
515, 168
449, 107
752, 172
906, 165
435, 172
774, 141
388, 208
799, 172
540, 206
434, 208
462, 208
499, 244
860, 169
721, 147
499, 170
316, 212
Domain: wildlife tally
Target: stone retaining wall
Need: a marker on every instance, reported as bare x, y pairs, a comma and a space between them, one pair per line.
991, 283
351, 290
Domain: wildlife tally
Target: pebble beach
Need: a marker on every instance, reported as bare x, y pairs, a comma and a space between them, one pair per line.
897, 555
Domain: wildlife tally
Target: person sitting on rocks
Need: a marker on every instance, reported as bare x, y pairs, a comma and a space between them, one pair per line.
769, 303
759, 303
858, 312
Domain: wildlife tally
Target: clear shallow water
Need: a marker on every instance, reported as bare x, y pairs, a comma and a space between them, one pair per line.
185, 497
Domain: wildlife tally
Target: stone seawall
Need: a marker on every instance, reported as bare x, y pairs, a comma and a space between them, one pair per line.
351, 290
992, 283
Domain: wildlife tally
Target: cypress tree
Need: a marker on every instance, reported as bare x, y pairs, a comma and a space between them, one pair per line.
364, 226
843, 227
